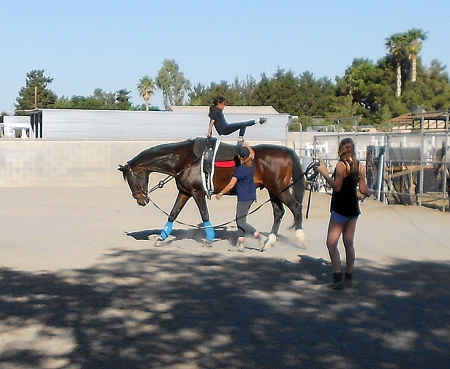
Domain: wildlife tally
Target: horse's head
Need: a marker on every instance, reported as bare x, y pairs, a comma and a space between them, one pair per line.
138, 183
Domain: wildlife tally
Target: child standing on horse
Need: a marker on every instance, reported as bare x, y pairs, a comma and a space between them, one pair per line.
246, 194
217, 120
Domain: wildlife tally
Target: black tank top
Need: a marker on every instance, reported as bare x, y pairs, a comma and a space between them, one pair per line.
345, 202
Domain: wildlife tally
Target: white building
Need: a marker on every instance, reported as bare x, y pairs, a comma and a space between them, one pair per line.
16, 126
181, 123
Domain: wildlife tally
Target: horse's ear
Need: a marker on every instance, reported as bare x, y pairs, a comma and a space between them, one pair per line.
123, 168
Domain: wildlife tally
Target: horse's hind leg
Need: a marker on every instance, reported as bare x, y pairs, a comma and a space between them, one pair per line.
297, 211
278, 213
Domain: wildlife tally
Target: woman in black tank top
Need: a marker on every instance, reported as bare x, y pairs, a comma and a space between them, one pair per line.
348, 175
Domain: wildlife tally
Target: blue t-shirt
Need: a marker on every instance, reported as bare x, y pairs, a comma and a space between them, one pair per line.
245, 185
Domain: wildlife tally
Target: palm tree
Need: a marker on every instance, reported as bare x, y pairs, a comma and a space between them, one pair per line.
146, 88
415, 37
397, 46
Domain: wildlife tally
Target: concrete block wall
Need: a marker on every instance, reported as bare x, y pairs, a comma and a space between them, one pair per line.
65, 163
29, 163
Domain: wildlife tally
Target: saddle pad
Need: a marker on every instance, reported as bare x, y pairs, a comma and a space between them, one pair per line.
225, 164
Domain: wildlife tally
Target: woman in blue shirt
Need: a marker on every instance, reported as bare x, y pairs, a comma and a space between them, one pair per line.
246, 195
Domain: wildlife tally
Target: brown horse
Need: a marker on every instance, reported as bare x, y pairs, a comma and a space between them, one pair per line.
277, 169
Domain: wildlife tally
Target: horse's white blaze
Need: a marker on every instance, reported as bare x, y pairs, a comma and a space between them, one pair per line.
304, 241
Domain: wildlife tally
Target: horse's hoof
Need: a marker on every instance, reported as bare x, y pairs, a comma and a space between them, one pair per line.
270, 241
208, 244
300, 234
160, 242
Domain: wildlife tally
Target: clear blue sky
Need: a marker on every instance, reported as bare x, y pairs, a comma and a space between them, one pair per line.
84, 45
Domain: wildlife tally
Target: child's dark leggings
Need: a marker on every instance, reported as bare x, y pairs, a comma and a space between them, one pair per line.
242, 209
233, 127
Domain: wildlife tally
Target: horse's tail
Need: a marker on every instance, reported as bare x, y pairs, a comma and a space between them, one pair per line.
298, 178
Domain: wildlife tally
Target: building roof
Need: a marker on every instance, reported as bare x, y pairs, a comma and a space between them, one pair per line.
431, 120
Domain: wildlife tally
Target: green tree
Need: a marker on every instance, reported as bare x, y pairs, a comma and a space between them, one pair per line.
238, 94
285, 92
106, 99
82, 102
301, 96
172, 83
123, 100
346, 113
282, 92
385, 117
199, 96
431, 90
355, 80
35, 94
246, 89
99, 100
369, 85
146, 88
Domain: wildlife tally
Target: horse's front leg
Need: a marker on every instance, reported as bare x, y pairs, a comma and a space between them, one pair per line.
199, 198
176, 209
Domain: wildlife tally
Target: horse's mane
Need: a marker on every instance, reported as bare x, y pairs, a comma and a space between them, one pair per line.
164, 154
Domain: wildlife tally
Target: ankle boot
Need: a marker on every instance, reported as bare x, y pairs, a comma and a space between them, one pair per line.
239, 247
338, 283
261, 240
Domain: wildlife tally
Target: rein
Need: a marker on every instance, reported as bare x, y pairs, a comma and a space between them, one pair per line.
161, 184
167, 180
311, 177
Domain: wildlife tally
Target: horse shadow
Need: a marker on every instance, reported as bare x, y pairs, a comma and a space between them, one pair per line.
222, 233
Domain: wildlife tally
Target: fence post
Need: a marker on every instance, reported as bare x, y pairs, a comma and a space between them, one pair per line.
422, 154
380, 176
444, 160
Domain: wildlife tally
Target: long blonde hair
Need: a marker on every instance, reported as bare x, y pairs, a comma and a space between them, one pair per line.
348, 156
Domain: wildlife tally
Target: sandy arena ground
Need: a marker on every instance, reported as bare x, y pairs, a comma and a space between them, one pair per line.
82, 286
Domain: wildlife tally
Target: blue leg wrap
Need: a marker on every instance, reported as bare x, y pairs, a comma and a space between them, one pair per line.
209, 231
166, 230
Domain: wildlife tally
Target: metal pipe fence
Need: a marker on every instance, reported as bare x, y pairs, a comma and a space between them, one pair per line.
410, 168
